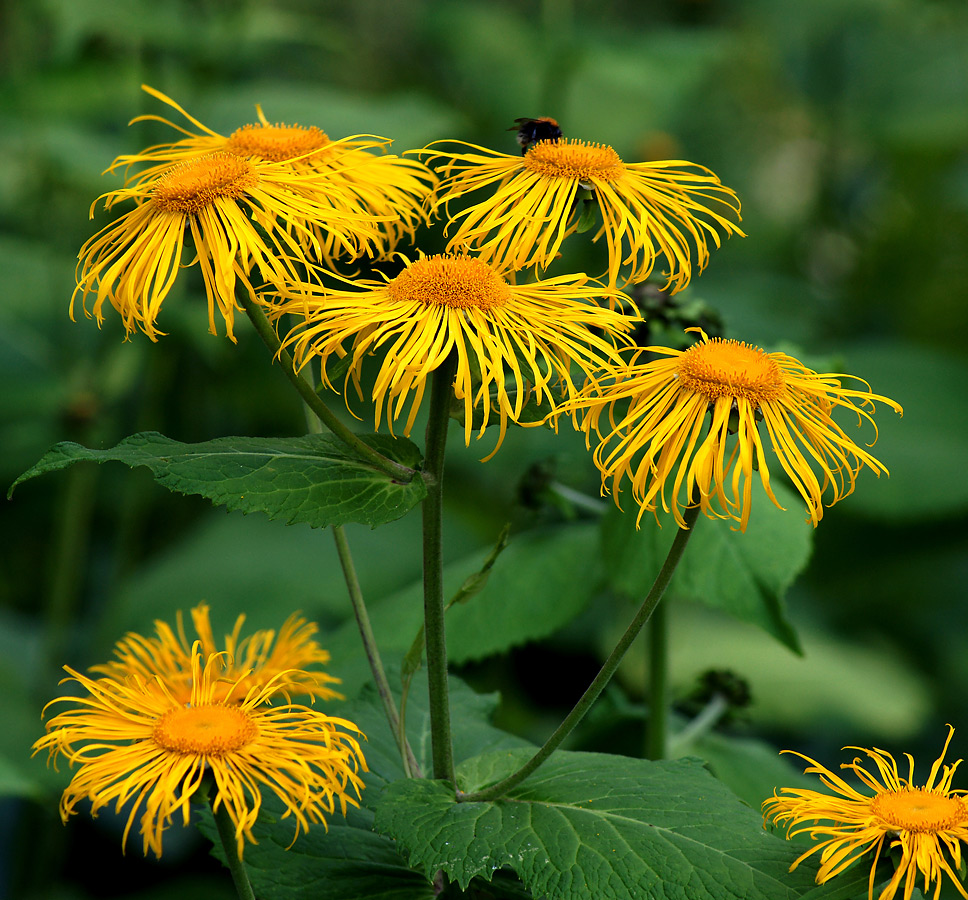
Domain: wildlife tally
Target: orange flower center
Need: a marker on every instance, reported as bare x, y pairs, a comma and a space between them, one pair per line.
718, 368
276, 143
207, 730
574, 160
919, 811
189, 187
455, 281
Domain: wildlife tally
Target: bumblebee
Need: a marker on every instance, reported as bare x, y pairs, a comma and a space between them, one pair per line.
531, 131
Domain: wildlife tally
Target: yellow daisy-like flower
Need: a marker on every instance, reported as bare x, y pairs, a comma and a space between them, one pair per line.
253, 662
140, 745
511, 341
356, 181
671, 208
922, 821
242, 214
659, 441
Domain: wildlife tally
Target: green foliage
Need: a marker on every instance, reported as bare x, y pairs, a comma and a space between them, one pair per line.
349, 860
594, 825
747, 575
312, 479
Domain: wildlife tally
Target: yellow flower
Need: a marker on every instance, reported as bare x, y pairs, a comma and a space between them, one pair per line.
242, 214
510, 340
659, 440
354, 180
921, 821
136, 744
647, 209
255, 661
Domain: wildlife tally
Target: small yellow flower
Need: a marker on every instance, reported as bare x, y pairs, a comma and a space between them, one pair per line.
242, 214
671, 208
511, 340
137, 744
355, 181
662, 443
254, 661
922, 821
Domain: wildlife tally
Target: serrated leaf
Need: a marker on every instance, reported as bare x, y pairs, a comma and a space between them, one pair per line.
313, 478
595, 825
351, 861
745, 574
346, 862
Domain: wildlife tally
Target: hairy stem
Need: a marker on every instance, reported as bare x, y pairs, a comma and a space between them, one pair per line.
605, 673
441, 392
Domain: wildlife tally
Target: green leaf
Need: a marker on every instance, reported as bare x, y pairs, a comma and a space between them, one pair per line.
351, 861
313, 478
595, 825
745, 574
346, 862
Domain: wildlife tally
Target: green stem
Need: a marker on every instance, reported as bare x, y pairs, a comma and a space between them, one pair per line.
441, 392
226, 833
658, 642
269, 337
370, 647
605, 673
372, 652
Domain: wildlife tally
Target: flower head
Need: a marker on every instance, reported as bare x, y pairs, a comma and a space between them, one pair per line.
242, 214
253, 661
922, 821
659, 438
353, 179
671, 208
137, 744
510, 340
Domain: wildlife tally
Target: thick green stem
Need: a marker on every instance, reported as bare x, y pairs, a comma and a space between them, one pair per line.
372, 651
605, 673
441, 392
658, 642
226, 833
258, 318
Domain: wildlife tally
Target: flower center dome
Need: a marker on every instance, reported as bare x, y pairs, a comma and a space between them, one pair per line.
189, 187
207, 730
718, 368
455, 281
919, 810
574, 160
276, 143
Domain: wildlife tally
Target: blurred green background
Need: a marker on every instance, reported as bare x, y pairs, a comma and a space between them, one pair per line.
842, 124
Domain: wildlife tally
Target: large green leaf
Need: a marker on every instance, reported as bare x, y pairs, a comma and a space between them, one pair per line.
313, 478
745, 574
594, 825
350, 861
